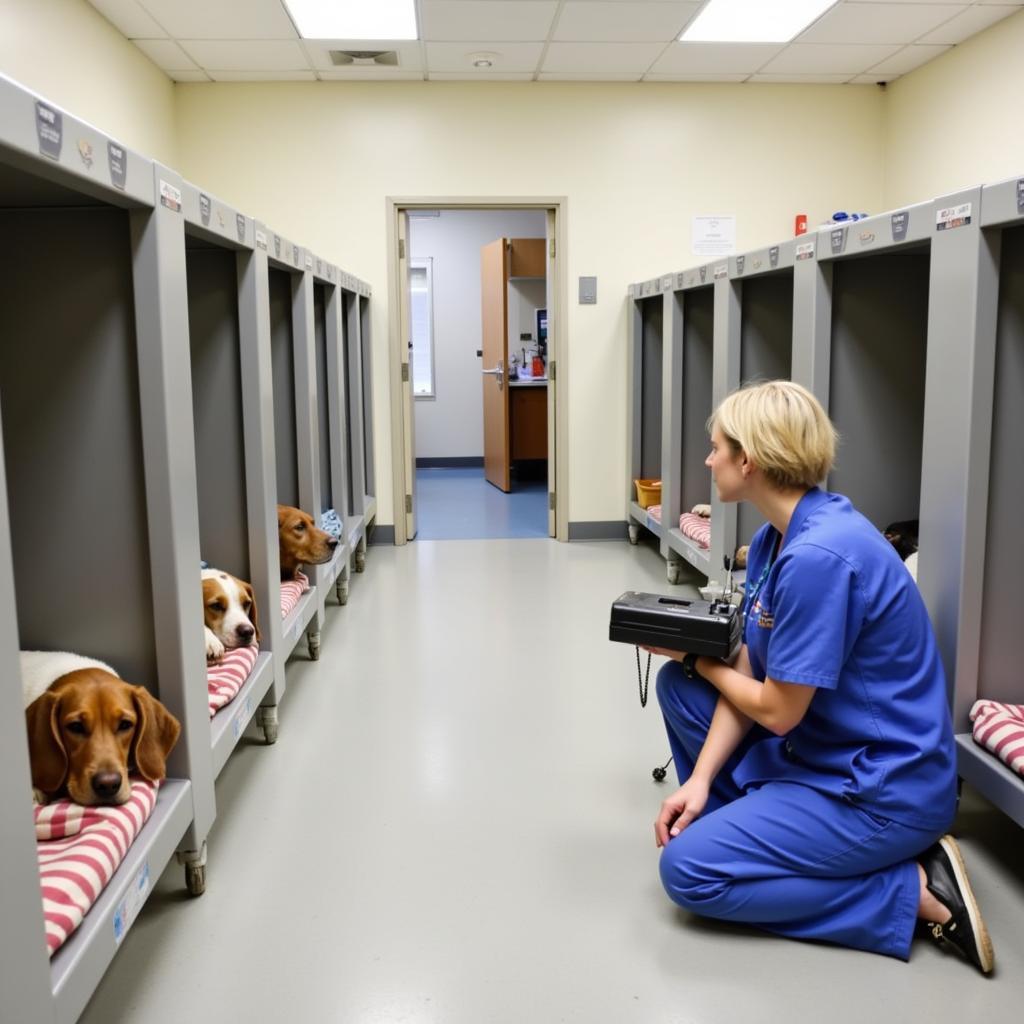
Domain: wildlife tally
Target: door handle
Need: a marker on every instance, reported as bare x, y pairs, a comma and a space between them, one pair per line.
499, 372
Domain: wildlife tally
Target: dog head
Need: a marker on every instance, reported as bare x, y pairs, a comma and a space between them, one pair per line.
301, 541
229, 609
89, 728
903, 537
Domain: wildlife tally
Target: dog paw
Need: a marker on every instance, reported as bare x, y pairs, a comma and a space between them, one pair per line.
214, 648
702, 510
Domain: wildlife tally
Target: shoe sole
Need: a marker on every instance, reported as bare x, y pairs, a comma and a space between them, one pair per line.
981, 936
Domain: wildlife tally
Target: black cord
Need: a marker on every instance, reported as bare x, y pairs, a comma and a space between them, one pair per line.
659, 773
643, 679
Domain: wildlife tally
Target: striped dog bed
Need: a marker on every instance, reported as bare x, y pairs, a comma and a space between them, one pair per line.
697, 528
291, 591
999, 728
79, 850
226, 677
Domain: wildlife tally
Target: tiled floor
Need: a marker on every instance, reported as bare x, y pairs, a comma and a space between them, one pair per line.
459, 504
455, 828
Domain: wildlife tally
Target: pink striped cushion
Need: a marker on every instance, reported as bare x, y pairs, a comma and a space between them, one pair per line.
79, 850
999, 728
654, 511
697, 528
225, 678
291, 591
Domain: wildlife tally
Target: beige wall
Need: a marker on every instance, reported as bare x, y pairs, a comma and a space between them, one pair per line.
956, 121
317, 160
68, 52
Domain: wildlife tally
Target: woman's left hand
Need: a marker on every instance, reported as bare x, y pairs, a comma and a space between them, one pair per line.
664, 652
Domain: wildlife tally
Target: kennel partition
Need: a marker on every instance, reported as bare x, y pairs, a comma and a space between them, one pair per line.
234, 439
287, 289
99, 538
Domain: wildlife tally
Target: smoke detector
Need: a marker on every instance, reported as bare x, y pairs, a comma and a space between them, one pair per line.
484, 59
364, 58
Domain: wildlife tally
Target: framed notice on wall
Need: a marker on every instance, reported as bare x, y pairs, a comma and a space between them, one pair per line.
714, 235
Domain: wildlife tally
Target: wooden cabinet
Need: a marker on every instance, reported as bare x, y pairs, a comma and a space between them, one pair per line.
529, 421
527, 257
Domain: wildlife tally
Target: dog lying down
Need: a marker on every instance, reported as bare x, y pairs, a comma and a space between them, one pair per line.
88, 729
229, 613
301, 541
903, 537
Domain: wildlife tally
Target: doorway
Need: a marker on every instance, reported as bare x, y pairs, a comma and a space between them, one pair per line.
446, 394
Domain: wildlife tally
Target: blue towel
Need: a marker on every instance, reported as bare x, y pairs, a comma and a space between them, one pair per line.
331, 523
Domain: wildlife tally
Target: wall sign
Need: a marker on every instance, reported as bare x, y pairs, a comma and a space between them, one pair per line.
49, 129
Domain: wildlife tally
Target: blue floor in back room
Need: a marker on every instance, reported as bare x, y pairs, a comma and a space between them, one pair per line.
459, 504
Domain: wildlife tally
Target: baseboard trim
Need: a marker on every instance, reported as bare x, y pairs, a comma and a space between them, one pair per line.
382, 534
460, 462
613, 529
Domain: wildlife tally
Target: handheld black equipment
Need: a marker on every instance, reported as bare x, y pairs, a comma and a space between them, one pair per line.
711, 628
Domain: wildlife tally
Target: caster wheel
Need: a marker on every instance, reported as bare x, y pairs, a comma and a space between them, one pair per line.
314, 648
360, 561
266, 722
659, 774
195, 879
342, 591
269, 734
634, 534
673, 572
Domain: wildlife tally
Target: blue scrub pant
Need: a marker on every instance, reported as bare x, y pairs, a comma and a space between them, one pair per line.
785, 857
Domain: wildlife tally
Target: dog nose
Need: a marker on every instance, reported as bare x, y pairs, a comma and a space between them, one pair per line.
244, 632
106, 784
332, 542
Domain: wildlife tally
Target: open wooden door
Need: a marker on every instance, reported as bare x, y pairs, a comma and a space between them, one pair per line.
494, 331
405, 318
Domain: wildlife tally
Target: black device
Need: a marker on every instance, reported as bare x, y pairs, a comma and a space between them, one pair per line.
711, 628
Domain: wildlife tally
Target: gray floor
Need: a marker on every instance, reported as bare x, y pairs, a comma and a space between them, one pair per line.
455, 826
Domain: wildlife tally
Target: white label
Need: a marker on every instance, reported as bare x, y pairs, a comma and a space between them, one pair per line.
170, 196
243, 716
309, 262
128, 909
805, 251
953, 217
261, 240
722, 270
714, 235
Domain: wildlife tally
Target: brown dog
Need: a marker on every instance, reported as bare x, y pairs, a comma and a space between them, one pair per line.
89, 729
301, 541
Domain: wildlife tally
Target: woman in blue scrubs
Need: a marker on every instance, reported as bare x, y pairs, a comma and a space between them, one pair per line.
818, 769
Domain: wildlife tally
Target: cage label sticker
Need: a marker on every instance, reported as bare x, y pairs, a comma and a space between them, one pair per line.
117, 161
128, 909
277, 246
722, 270
309, 262
240, 226
953, 217
773, 256
838, 237
49, 129
170, 196
900, 223
204, 209
703, 274
1020, 196
261, 240
741, 262
242, 718
805, 251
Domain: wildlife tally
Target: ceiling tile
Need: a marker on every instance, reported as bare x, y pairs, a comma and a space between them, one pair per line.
512, 20
973, 20
263, 76
188, 76
222, 19
265, 55
319, 51
827, 59
817, 79
602, 57
879, 23
166, 54
637, 21
459, 76
589, 76
129, 19
507, 56
908, 59
712, 58
371, 75
693, 77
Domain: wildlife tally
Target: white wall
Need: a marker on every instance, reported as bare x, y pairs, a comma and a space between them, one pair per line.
451, 424
69, 53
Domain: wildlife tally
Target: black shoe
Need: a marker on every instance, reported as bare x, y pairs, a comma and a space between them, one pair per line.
947, 881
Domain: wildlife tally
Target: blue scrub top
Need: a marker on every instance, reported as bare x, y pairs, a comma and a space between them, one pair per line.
838, 610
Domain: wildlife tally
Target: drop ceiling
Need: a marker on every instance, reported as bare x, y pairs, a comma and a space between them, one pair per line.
856, 41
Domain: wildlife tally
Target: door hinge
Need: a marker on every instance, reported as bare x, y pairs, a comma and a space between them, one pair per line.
551, 501
553, 370
408, 504
551, 248
401, 248
405, 373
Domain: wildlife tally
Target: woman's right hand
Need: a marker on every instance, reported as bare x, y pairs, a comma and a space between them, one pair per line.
682, 807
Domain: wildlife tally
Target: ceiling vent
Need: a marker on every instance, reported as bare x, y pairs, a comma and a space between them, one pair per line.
364, 58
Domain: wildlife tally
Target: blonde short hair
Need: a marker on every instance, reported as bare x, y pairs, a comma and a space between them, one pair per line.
784, 430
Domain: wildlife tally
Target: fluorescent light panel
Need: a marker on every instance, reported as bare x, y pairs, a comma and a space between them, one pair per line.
354, 19
753, 21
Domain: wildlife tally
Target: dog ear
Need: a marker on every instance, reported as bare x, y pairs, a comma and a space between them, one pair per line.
281, 513
252, 609
47, 756
156, 732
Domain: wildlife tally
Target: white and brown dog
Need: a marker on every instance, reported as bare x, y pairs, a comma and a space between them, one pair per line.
87, 728
229, 613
